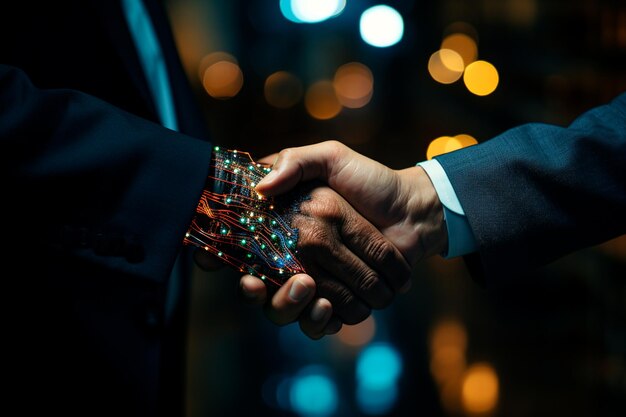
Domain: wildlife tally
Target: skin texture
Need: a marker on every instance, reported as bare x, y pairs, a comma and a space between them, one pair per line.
358, 236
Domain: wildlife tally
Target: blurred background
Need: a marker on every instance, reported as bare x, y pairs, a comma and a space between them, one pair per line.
401, 81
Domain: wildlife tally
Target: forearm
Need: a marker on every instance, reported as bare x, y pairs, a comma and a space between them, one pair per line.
538, 192
74, 162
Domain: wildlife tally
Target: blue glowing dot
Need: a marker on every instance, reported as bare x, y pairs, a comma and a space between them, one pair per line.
381, 26
313, 393
378, 366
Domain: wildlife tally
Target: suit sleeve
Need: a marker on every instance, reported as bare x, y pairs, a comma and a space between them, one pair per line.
86, 180
538, 192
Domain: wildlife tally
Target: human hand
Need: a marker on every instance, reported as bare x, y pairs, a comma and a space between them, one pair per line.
356, 269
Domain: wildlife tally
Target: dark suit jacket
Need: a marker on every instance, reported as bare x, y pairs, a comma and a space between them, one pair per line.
538, 192
97, 198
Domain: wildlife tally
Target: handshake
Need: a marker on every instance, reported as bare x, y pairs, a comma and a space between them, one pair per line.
356, 227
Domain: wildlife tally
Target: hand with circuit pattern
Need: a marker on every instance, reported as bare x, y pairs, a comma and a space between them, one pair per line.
310, 229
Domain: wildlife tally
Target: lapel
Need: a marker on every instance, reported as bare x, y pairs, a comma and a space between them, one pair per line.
114, 25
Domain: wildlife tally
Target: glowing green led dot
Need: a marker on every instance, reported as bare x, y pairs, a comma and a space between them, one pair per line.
252, 228
243, 241
250, 167
273, 222
263, 277
242, 220
260, 219
249, 255
263, 246
227, 161
274, 236
289, 242
217, 148
229, 200
224, 231
288, 256
220, 253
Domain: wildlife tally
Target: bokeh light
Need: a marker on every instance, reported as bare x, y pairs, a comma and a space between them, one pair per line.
463, 45
480, 389
220, 75
381, 26
282, 89
445, 66
321, 101
448, 343
313, 393
311, 11
378, 366
375, 401
445, 144
359, 334
354, 85
481, 78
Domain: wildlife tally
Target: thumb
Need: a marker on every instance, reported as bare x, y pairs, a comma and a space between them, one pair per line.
295, 165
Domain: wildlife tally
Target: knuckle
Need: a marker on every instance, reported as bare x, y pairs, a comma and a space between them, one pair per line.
380, 251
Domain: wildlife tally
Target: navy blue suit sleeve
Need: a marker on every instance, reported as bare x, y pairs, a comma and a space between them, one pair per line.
73, 164
538, 192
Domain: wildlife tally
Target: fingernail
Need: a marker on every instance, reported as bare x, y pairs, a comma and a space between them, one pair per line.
268, 178
318, 312
298, 291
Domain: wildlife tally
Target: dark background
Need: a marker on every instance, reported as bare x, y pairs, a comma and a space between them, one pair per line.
556, 339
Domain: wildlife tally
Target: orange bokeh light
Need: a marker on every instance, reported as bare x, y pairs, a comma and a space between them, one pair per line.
282, 90
354, 85
222, 79
480, 389
321, 101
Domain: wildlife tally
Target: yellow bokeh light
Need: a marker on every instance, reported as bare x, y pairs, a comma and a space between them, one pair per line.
222, 79
445, 144
359, 334
445, 66
480, 389
462, 44
481, 78
321, 101
282, 89
354, 85
465, 140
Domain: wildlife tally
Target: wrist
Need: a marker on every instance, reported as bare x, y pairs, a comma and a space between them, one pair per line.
423, 223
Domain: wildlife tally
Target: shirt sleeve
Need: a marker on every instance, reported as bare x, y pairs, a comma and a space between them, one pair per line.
461, 239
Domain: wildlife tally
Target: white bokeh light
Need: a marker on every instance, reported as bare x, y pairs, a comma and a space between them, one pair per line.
381, 26
311, 11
